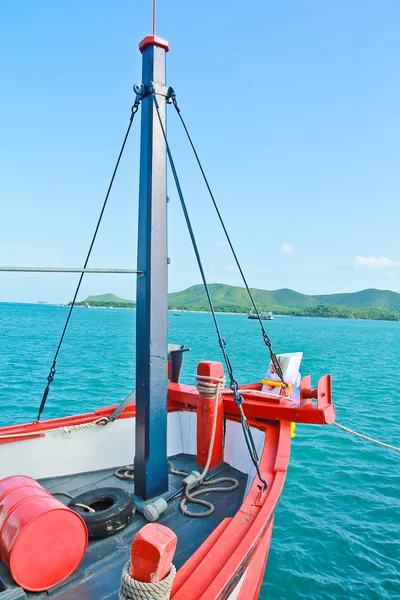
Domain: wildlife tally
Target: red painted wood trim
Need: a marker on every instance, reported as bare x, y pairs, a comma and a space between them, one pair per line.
196, 559
186, 398
35, 428
250, 589
215, 569
232, 553
264, 407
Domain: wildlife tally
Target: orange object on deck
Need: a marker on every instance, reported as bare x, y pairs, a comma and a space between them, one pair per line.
205, 416
41, 541
13, 498
16, 481
152, 551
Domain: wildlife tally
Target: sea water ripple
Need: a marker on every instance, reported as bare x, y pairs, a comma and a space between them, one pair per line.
336, 531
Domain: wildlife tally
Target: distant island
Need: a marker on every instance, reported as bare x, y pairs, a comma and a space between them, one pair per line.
366, 304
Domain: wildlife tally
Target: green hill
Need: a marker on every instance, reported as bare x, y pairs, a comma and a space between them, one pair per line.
371, 298
366, 304
106, 298
233, 298
106, 301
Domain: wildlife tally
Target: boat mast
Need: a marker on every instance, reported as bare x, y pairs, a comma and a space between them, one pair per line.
151, 464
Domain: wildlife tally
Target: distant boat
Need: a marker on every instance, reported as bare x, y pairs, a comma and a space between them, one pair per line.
177, 315
86, 305
263, 315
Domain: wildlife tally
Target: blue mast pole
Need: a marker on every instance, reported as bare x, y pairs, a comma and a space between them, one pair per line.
151, 463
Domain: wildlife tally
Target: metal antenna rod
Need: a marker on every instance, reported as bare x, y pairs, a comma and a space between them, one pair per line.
67, 270
154, 16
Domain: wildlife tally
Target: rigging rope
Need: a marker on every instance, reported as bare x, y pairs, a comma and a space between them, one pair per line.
65, 429
366, 437
51, 375
266, 338
238, 399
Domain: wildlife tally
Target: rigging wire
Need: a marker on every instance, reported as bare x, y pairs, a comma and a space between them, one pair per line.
238, 398
51, 375
266, 338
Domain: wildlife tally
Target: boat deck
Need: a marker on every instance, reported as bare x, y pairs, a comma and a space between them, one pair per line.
99, 574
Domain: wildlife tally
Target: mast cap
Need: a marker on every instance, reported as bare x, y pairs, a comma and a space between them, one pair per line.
153, 40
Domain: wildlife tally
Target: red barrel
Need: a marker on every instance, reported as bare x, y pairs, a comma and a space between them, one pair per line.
16, 481
16, 496
41, 541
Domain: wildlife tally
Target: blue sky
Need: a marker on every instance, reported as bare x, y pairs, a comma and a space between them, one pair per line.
294, 108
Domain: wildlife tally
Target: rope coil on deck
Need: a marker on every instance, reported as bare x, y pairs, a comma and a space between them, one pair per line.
209, 386
367, 438
131, 589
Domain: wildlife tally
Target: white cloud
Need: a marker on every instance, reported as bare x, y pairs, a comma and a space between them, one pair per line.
222, 268
372, 262
228, 268
286, 249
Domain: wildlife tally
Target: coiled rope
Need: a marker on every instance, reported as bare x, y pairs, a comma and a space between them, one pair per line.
367, 437
128, 472
209, 386
133, 589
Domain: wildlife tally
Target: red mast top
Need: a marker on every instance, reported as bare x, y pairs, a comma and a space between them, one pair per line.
154, 40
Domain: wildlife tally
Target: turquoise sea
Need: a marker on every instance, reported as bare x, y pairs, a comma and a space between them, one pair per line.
337, 526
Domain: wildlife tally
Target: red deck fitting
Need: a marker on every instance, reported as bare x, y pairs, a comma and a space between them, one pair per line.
322, 394
205, 417
152, 551
260, 407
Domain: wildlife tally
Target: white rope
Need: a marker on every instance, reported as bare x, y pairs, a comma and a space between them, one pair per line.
65, 429
85, 506
243, 391
131, 589
206, 388
255, 392
366, 437
209, 389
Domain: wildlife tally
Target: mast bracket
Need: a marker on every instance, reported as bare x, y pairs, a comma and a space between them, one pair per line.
171, 96
140, 91
160, 89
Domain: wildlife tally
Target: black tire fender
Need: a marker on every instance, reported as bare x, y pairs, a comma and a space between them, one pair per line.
114, 510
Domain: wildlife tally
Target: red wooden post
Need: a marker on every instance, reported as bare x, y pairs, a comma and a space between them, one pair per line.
205, 415
152, 551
